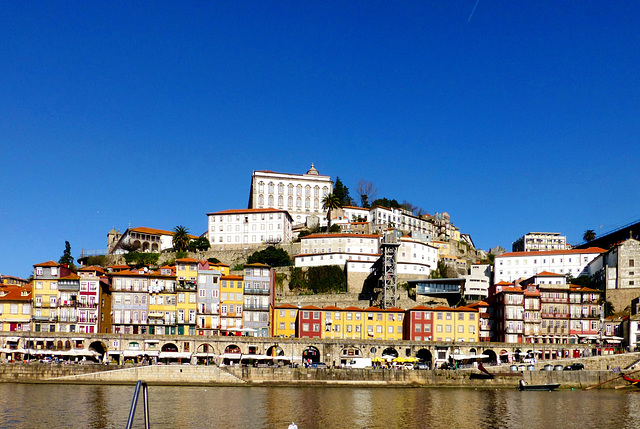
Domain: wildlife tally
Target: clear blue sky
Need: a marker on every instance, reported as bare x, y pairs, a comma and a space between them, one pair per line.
525, 117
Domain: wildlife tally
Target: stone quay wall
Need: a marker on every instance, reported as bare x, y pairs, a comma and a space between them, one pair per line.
249, 376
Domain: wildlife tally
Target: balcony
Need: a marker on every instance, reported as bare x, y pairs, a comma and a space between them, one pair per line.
555, 315
256, 291
263, 307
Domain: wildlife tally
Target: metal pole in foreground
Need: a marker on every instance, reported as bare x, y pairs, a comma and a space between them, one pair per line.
134, 402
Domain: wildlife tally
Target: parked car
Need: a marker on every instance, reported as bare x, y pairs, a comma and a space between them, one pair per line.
422, 365
447, 365
407, 365
574, 367
318, 365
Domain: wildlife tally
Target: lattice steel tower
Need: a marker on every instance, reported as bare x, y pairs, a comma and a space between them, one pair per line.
389, 247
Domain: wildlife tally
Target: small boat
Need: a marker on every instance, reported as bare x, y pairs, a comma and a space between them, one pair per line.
522, 386
632, 381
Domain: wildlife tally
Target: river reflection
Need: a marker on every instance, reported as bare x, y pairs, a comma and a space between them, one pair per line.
58, 406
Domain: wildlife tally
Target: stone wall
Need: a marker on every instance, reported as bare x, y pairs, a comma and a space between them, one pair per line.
285, 376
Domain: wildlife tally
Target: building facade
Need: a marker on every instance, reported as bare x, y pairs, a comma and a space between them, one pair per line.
230, 229
299, 194
536, 241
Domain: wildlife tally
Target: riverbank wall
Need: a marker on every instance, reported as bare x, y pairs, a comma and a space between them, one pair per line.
200, 375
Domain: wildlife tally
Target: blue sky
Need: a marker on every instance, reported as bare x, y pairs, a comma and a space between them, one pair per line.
522, 118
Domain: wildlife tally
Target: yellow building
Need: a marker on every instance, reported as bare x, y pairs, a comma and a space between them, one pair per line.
459, 324
223, 268
15, 307
333, 319
231, 301
284, 321
45, 295
467, 324
187, 294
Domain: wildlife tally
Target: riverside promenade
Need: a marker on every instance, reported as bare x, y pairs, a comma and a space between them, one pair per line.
284, 376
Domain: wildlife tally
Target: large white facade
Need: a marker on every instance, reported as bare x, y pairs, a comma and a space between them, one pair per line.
299, 194
237, 228
337, 249
416, 257
536, 241
512, 266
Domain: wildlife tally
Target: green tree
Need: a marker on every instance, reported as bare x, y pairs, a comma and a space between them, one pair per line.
66, 258
330, 202
180, 238
200, 243
342, 192
441, 271
608, 309
272, 256
589, 235
385, 202
326, 279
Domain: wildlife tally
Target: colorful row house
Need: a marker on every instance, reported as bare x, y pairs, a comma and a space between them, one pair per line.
15, 307
441, 323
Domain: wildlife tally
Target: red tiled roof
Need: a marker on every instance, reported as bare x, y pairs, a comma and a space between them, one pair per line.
14, 292
394, 309
352, 308
420, 308
92, 268
310, 307
340, 235
47, 264
286, 306
240, 211
231, 277
554, 252
187, 260
548, 274
331, 308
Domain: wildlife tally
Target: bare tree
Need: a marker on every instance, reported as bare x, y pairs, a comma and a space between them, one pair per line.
367, 191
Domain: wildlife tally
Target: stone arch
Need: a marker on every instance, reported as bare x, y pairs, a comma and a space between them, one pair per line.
275, 351
98, 347
169, 347
503, 356
60, 345
155, 248
492, 355
311, 353
145, 246
518, 355
232, 348
425, 356
390, 351
205, 348
137, 244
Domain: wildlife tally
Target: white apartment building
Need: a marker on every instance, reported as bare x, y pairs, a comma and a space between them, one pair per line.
299, 194
239, 228
536, 241
348, 214
382, 218
337, 249
477, 283
416, 257
512, 266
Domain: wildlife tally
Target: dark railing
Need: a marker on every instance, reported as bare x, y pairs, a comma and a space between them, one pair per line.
134, 402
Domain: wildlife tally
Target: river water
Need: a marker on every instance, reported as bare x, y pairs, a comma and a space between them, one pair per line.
72, 406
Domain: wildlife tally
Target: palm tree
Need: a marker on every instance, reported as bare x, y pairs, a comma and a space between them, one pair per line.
330, 202
589, 235
180, 238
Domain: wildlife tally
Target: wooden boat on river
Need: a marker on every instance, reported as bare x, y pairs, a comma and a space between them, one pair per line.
522, 386
632, 381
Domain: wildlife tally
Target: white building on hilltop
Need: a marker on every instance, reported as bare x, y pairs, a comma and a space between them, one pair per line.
299, 194
230, 229
536, 241
512, 266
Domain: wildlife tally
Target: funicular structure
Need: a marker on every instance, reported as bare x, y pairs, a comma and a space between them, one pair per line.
389, 281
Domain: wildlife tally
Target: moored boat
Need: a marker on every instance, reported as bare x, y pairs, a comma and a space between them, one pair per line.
522, 386
632, 381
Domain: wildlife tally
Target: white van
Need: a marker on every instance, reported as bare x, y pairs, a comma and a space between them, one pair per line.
360, 363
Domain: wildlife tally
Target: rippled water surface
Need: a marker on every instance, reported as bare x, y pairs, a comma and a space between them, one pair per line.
62, 406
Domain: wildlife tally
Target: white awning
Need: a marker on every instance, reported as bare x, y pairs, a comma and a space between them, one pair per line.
257, 357
78, 339
231, 356
203, 354
13, 339
152, 341
174, 355
463, 357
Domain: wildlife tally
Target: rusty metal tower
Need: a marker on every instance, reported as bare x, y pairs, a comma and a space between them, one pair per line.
389, 247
